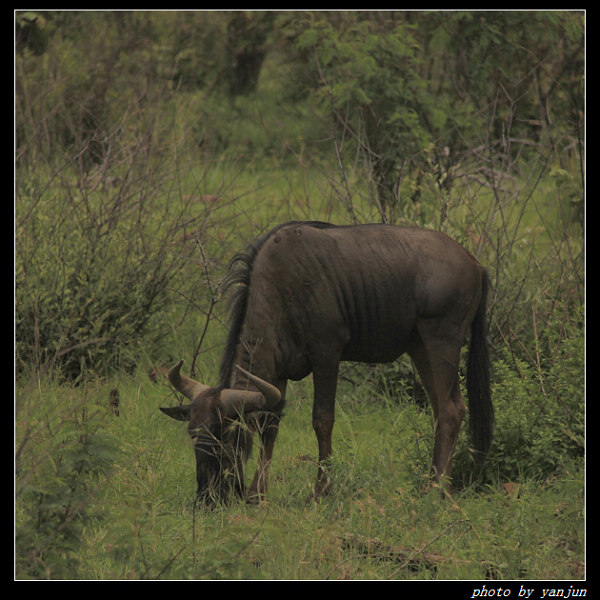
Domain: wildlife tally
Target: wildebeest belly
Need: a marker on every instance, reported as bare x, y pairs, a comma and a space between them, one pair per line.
377, 340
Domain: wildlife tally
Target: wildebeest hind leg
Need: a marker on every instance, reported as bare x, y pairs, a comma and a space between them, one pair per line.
437, 364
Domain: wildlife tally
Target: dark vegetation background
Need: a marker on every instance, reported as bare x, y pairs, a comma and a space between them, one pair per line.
152, 146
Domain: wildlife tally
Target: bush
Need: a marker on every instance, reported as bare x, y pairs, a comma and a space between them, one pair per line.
62, 457
539, 403
92, 270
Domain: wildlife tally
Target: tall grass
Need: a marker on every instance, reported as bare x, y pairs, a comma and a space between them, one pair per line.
111, 497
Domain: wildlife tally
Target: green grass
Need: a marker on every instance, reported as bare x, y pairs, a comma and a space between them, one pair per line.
104, 497
136, 517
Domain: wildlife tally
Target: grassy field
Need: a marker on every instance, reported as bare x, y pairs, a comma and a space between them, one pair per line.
112, 497
106, 497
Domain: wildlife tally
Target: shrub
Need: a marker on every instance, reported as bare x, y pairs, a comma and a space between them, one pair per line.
62, 456
91, 273
539, 403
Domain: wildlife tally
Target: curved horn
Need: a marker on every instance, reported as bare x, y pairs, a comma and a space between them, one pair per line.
242, 401
184, 385
269, 391
265, 399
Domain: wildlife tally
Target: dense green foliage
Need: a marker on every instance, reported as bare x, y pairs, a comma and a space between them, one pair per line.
63, 457
152, 146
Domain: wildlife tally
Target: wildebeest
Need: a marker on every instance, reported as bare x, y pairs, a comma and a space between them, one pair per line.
308, 295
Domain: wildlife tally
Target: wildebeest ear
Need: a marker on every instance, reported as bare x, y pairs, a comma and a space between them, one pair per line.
180, 413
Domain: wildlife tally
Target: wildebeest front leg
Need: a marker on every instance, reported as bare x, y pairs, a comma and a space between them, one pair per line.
267, 426
325, 383
258, 488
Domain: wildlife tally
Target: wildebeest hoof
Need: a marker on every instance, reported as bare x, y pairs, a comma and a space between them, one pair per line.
320, 491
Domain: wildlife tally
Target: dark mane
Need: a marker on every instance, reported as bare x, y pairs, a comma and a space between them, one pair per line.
237, 284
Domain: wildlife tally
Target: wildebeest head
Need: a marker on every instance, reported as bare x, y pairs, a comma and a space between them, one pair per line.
221, 436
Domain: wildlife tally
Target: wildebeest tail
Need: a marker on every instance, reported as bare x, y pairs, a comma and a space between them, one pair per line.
481, 411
